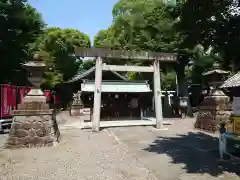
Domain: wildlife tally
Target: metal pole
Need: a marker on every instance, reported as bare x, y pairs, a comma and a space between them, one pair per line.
97, 95
158, 95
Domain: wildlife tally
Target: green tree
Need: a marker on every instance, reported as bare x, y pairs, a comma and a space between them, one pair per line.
168, 81
20, 26
144, 25
212, 23
105, 39
88, 64
202, 21
181, 27
149, 25
139, 25
56, 46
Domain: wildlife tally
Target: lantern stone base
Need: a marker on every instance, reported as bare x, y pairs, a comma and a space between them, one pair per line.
31, 131
34, 124
76, 110
212, 111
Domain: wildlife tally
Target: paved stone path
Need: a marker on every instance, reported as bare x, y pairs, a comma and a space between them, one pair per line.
133, 153
186, 156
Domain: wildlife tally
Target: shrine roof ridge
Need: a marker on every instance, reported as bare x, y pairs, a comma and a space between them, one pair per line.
125, 54
86, 81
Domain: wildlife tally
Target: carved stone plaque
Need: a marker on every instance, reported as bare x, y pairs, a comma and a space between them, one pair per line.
85, 111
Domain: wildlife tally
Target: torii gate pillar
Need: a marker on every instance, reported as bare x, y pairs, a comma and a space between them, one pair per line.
97, 95
157, 95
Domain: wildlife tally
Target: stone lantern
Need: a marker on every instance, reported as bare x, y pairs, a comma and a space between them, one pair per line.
214, 108
32, 122
35, 71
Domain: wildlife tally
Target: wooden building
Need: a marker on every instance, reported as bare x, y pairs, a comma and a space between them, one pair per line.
121, 98
232, 86
230, 142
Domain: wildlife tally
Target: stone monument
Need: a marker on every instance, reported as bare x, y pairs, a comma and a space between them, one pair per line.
77, 105
33, 120
214, 108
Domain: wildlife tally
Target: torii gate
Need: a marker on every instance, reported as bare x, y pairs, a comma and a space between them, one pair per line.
100, 53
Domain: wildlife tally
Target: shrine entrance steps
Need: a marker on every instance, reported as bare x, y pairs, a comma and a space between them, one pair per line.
82, 122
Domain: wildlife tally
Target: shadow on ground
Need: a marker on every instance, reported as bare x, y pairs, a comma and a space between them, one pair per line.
197, 151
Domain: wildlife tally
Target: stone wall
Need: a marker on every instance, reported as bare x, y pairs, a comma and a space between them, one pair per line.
31, 131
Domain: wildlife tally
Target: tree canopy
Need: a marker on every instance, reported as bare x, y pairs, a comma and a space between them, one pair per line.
181, 27
212, 24
141, 25
56, 47
201, 32
20, 26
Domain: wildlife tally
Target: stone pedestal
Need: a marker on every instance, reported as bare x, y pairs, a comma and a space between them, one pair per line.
30, 131
32, 123
212, 111
77, 105
76, 110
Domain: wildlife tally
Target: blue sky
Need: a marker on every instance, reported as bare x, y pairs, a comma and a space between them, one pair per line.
88, 16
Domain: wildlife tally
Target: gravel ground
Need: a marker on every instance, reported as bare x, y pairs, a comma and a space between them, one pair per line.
131, 153
80, 155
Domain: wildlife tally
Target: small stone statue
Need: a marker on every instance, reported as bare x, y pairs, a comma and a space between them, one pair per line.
77, 98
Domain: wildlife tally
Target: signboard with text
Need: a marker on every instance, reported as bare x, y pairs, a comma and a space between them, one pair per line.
85, 111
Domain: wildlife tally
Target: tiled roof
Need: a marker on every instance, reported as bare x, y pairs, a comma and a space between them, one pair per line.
81, 75
218, 71
233, 81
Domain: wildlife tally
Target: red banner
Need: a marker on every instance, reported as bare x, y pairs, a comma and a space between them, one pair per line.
47, 94
28, 89
6, 101
56, 99
14, 97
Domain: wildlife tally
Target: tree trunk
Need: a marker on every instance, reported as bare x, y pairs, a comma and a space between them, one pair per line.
183, 87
